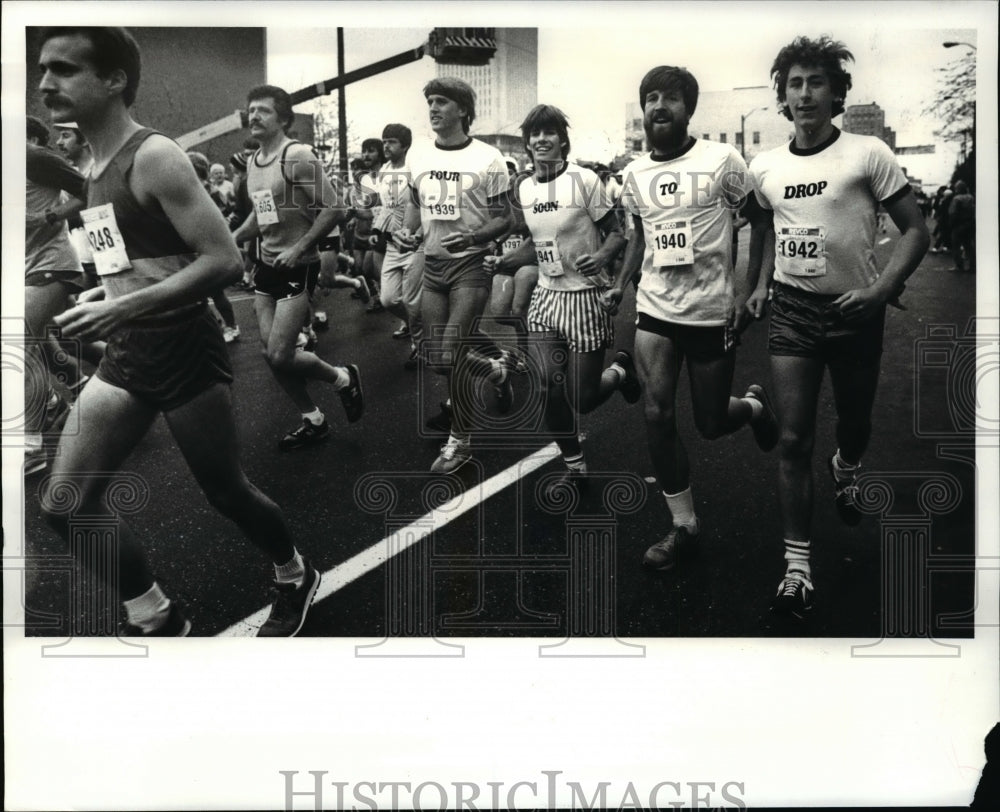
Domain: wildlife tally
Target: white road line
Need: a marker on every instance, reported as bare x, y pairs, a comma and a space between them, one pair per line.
368, 560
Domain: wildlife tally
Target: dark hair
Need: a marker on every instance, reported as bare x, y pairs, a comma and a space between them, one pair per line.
667, 77
459, 92
824, 53
36, 129
282, 102
546, 115
375, 144
81, 139
200, 164
111, 49
400, 132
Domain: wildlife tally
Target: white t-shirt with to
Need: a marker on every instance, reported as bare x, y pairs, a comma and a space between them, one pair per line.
561, 213
452, 186
685, 204
825, 200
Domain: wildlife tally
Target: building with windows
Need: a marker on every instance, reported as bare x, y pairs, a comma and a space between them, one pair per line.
506, 88
868, 119
725, 116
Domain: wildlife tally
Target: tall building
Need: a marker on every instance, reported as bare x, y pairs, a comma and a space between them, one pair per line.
506, 88
868, 119
725, 116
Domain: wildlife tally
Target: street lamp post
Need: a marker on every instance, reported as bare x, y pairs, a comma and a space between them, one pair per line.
743, 134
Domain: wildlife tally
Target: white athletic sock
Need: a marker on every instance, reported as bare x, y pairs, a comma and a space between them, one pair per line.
841, 470
315, 417
756, 407
459, 438
294, 572
343, 378
682, 509
150, 610
797, 556
620, 370
499, 372
576, 462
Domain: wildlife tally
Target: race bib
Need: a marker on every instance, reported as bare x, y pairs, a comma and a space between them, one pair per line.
512, 243
105, 240
673, 244
801, 250
264, 205
441, 200
547, 254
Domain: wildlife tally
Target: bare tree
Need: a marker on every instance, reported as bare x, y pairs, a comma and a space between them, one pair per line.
954, 105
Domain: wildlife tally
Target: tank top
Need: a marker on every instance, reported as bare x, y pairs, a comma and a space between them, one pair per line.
154, 248
283, 213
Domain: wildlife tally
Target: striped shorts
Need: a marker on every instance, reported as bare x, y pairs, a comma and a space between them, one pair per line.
573, 315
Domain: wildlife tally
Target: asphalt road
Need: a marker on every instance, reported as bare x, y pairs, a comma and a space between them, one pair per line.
498, 561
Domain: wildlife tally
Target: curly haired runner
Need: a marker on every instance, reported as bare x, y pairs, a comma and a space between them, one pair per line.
822, 192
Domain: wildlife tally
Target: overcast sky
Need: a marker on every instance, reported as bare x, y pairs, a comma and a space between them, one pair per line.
590, 62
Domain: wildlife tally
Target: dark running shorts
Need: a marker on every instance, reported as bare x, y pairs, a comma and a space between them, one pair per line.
807, 325
445, 275
167, 364
697, 343
73, 281
285, 284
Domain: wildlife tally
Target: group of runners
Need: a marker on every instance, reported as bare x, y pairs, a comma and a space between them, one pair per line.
455, 233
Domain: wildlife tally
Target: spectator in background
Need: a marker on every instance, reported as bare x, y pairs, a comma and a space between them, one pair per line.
221, 186
230, 329
942, 229
962, 220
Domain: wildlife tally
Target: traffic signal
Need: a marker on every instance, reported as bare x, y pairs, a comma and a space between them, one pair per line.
462, 46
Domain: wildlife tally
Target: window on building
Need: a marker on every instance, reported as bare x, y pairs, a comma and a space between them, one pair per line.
739, 139
756, 136
705, 137
637, 145
722, 138
636, 123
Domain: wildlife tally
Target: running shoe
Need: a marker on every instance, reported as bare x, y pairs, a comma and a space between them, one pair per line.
352, 396
363, 292
677, 544
231, 334
290, 606
176, 625
441, 421
765, 426
794, 596
308, 433
845, 494
36, 459
403, 331
630, 387
454, 454
503, 392
374, 306
320, 320
56, 411
413, 361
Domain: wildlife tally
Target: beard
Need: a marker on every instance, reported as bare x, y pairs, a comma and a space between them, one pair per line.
666, 140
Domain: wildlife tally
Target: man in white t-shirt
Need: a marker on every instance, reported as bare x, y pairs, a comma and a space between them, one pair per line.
822, 191
459, 200
680, 198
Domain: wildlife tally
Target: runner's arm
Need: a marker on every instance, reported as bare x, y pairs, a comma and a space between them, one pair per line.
760, 268
500, 222
612, 242
307, 174
635, 249
163, 176
914, 241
